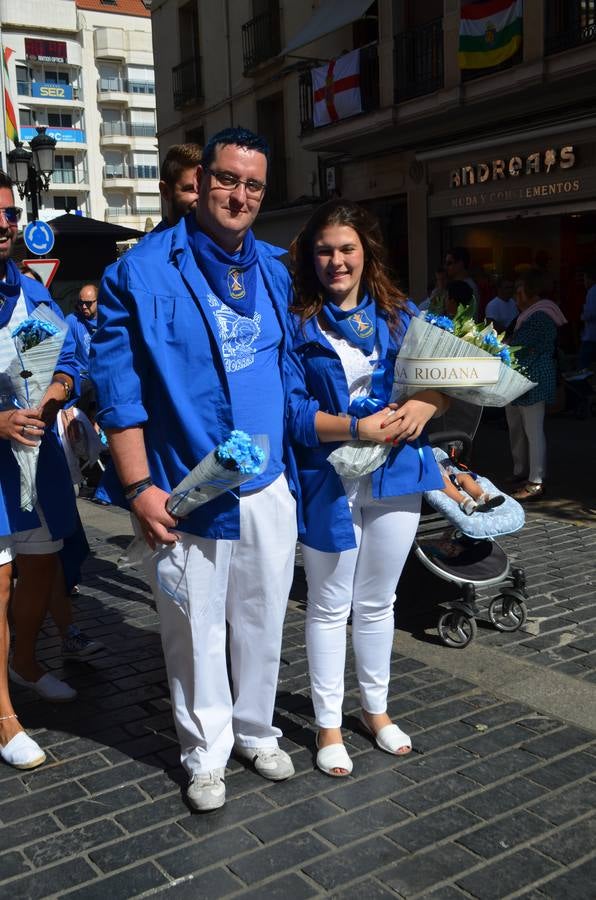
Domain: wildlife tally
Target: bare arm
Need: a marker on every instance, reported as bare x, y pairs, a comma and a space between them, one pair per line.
127, 447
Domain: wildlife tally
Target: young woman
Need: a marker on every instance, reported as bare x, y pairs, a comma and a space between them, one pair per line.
347, 326
535, 333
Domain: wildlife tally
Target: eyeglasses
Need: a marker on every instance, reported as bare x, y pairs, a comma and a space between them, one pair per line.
230, 182
86, 303
12, 214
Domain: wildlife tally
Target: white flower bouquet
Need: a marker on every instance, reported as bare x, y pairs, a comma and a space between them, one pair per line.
455, 356
27, 368
233, 462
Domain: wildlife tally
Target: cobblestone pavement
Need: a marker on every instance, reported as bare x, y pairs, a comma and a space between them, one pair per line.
497, 800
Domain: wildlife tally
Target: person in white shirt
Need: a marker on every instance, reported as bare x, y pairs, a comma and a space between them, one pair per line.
502, 309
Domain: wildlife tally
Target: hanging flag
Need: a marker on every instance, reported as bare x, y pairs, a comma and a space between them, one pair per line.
12, 132
336, 89
490, 32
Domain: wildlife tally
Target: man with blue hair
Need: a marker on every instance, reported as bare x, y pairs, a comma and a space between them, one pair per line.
191, 345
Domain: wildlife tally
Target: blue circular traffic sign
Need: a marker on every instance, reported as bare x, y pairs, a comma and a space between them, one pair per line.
38, 237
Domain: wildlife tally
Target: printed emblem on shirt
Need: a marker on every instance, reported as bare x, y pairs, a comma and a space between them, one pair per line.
237, 334
236, 284
361, 324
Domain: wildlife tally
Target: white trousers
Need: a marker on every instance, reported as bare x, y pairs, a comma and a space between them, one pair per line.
200, 584
362, 581
527, 440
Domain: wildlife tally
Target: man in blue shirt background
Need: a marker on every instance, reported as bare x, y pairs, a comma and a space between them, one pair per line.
191, 344
83, 324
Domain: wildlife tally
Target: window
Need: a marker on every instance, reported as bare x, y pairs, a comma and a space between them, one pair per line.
68, 204
55, 77
270, 123
26, 118
59, 120
196, 136
64, 172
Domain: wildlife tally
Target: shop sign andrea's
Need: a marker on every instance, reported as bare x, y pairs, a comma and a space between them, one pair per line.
540, 161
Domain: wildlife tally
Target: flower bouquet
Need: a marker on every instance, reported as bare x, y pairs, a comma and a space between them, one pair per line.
455, 356
235, 461
27, 369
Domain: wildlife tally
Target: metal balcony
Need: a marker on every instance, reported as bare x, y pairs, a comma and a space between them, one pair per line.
260, 39
418, 61
568, 23
127, 129
186, 82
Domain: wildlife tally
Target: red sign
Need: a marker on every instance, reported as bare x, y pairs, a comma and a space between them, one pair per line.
45, 51
45, 268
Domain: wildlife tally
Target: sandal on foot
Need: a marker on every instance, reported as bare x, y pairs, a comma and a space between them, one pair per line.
391, 739
529, 491
486, 502
333, 756
468, 506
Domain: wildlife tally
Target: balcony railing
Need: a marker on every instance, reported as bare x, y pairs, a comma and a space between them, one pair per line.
128, 129
260, 39
418, 59
69, 176
369, 88
124, 86
114, 213
186, 82
121, 170
49, 90
568, 23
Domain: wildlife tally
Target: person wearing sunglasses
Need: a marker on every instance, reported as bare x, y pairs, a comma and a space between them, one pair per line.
83, 325
32, 538
190, 345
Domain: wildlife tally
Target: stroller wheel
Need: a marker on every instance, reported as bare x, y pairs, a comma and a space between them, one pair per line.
507, 613
456, 629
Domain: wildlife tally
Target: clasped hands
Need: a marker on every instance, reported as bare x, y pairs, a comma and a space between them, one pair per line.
398, 421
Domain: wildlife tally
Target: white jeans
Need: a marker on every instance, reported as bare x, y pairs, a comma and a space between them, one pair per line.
527, 440
362, 580
198, 585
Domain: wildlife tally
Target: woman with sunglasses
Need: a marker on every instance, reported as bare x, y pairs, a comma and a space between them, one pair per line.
33, 538
348, 323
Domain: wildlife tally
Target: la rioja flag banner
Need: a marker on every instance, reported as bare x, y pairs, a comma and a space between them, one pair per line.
336, 89
490, 32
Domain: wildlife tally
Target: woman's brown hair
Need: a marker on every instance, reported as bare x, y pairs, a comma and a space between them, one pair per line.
309, 295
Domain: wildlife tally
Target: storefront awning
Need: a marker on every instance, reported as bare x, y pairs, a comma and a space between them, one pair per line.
331, 15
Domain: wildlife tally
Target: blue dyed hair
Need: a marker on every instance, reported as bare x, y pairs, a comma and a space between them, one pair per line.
239, 137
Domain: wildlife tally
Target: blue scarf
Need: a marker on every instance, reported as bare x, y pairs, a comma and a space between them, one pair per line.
9, 292
231, 276
357, 325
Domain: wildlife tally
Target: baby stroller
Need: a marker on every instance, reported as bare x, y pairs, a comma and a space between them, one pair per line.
467, 561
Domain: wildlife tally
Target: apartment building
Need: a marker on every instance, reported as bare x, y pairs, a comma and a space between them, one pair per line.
501, 159
84, 70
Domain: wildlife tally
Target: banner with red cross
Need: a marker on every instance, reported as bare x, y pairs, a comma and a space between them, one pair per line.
336, 89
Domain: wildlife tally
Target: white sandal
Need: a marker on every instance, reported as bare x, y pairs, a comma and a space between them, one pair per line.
22, 752
390, 738
334, 756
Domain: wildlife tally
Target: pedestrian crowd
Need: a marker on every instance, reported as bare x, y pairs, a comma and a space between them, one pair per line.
200, 331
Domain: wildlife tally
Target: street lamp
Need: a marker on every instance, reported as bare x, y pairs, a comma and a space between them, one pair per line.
31, 171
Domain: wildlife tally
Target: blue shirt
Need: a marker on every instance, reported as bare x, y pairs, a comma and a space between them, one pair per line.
250, 350
317, 382
157, 361
54, 486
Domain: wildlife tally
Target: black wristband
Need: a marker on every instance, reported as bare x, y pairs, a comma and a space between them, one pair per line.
132, 491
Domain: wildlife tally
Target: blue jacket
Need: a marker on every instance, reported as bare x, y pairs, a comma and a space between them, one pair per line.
54, 486
317, 382
156, 362
82, 337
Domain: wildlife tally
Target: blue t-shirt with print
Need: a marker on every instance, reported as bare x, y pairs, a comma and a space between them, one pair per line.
250, 349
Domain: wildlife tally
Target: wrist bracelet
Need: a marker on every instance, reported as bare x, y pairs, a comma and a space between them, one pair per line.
132, 491
65, 385
354, 428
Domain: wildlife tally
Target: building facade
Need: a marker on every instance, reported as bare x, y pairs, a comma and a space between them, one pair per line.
443, 155
84, 70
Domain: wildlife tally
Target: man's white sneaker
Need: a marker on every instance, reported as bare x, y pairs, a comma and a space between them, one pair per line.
207, 790
270, 762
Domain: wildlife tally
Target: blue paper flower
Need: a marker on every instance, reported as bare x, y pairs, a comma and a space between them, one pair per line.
32, 332
443, 322
239, 454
